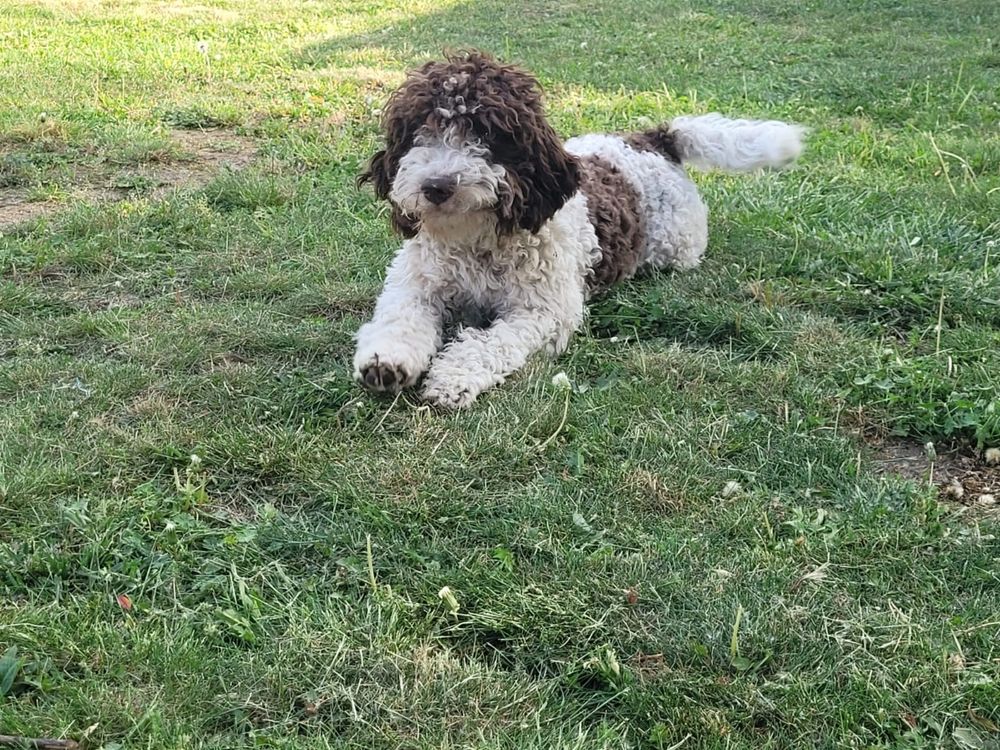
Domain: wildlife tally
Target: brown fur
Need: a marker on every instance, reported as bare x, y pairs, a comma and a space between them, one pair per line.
659, 140
380, 173
499, 104
613, 205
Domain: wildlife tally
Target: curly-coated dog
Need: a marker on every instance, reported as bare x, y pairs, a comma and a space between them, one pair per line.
509, 230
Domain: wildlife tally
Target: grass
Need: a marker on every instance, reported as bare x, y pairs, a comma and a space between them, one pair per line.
210, 538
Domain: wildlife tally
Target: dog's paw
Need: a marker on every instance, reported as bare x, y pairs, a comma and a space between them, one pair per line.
448, 395
386, 372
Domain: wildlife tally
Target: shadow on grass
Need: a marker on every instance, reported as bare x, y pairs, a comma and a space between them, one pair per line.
775, 56
645, 47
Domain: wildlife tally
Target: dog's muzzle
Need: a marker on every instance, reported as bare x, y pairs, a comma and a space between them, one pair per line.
439, 189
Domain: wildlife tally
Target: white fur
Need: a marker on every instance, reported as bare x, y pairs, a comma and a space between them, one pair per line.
674, 217
533, 282
535, 285
716, 142
478, 179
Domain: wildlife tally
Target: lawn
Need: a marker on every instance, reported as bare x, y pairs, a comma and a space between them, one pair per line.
728, 533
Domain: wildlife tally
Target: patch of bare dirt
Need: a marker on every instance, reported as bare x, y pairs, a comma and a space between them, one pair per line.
98, 300
68, 6
205, 154
185, 10
201, 154
17, 208
155, 10
960, 477
153, 403
227, 362
651, 492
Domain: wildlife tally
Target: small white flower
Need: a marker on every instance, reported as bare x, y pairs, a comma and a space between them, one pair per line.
956, 662
202, 47
195, 459
992, 456
561, 381
449, 598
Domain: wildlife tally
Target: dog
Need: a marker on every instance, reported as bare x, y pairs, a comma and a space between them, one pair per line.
509, 231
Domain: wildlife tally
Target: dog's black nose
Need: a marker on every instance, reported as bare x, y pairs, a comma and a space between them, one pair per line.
438, 190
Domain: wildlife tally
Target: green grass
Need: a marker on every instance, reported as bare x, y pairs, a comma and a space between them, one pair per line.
703, 555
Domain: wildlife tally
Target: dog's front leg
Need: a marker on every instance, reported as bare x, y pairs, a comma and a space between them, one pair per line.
481, 358
395, 347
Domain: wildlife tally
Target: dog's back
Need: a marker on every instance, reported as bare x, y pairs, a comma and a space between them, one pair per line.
670, 226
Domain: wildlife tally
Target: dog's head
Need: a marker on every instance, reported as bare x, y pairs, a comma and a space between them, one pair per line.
467, 143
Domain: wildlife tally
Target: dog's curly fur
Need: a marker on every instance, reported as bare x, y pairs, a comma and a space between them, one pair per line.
475, 98
505, 222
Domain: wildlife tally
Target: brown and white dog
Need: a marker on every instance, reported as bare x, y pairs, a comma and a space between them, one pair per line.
504, 222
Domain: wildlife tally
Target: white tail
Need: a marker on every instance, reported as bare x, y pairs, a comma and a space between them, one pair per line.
716, 142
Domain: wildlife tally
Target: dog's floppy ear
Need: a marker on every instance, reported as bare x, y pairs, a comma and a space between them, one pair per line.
541, 174
384, 164
540, 184
404, 114
380, 173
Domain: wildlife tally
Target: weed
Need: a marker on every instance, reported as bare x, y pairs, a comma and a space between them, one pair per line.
670, 538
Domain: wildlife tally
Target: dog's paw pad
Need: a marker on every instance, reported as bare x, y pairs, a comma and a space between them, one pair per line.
382, 376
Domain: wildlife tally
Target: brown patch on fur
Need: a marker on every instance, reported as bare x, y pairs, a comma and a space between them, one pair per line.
499, 104
659, 140
613, 205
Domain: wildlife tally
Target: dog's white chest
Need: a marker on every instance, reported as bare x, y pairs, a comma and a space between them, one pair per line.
479, 281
